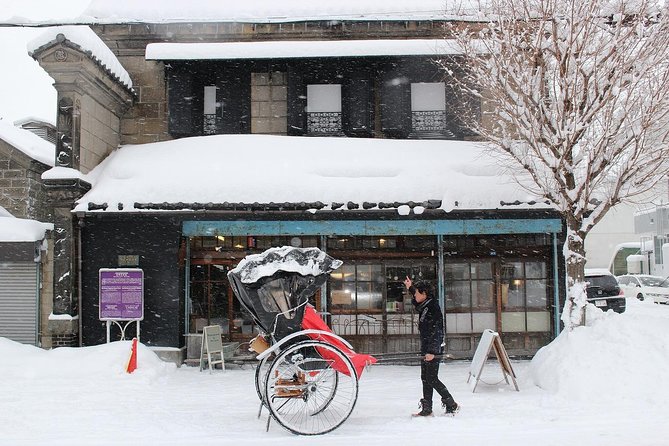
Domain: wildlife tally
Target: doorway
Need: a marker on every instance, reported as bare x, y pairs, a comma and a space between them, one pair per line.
213, 303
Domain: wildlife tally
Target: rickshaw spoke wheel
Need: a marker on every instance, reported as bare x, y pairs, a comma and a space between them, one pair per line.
311, 388
261, 376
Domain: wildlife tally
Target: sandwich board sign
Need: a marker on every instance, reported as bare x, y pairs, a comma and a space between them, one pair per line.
490, 340
212, 344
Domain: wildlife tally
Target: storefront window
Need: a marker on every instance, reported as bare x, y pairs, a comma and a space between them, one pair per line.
469, 286
525, 297
371, 299
469, 289
357, 287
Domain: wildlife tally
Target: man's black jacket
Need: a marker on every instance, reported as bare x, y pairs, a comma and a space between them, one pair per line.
430, 325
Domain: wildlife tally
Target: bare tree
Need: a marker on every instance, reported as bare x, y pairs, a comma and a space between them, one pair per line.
576, 94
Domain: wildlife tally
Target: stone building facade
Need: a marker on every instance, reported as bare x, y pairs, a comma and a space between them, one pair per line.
21, 191
183, 247
91, 102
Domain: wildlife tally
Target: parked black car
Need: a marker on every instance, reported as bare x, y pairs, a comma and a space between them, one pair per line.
603, 290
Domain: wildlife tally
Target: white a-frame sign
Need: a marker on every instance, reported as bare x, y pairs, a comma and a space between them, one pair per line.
490, 340
212, 345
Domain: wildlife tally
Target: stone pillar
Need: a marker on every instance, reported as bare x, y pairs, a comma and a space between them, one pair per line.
62, 193
68, 126
64, 324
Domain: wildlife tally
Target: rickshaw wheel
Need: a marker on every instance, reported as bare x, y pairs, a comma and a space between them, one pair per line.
305, 393
261, 375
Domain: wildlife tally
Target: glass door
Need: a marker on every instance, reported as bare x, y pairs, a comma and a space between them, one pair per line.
212, 302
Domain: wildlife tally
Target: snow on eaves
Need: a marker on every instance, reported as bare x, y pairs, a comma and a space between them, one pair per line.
20, 229
229, 171
28, 143
83, 38
273, 11
300, 49
251, 11
35, 119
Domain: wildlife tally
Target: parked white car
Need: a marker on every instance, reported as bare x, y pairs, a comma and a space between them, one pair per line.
644, 286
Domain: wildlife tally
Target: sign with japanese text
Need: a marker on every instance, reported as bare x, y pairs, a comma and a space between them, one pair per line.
121, 294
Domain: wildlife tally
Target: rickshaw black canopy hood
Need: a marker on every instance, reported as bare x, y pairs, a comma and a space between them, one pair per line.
280, 281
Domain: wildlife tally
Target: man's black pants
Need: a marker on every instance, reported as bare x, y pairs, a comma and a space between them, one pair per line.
429, 371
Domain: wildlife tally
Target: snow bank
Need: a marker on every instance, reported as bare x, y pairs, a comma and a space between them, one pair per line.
105, 361
616, 357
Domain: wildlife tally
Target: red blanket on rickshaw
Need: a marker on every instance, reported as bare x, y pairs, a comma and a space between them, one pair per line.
313, 321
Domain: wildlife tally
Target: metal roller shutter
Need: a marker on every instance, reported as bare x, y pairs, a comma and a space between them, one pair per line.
18, 301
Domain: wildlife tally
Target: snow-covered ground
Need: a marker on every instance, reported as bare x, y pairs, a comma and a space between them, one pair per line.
605, 384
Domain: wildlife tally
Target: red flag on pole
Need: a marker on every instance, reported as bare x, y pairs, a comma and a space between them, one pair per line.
132, 361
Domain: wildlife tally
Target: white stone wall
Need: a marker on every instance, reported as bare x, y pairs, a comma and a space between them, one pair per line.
269, 106
99, 133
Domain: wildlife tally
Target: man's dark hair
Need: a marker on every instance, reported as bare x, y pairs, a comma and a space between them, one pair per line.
424, 287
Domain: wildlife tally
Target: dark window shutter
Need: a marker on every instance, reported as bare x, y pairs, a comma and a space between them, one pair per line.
234, 94
181, 98
357, 116
396, 106
297, 103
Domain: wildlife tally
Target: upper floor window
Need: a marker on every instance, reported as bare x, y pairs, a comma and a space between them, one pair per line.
324, 109
398, 97
428, 107
210, 110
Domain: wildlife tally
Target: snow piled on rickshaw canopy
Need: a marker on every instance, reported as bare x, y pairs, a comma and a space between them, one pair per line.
304, 261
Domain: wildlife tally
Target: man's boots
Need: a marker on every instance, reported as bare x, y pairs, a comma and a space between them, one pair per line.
425, 408
449, 405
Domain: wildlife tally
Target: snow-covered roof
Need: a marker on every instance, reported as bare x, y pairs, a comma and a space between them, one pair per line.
28, 143
14, 229
249, 11
33, 119
85, 39
597, 272
271, 11
4, 212
251, 169
300, 48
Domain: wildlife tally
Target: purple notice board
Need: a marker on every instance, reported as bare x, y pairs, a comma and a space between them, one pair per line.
121, 294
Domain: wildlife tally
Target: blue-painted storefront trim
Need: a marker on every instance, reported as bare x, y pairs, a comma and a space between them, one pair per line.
372, 227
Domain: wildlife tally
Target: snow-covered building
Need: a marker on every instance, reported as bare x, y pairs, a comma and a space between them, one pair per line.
25, 258
191, 135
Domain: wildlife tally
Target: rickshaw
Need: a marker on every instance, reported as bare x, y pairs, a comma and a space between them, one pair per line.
307, 377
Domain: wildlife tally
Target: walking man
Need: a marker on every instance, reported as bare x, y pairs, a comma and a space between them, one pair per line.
431, 328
